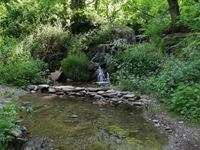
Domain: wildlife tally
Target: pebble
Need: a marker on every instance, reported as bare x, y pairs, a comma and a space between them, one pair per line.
74, 116
129, 96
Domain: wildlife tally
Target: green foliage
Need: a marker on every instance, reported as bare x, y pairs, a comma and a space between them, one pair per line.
80, 22
174, 73
21, 72
29, 31
76, 67
8, 119
17, 67
22, 17
155, 28
176, 79
47, 43
190, 14
141, 60
186, 101
98, 36
189, 48
83, 41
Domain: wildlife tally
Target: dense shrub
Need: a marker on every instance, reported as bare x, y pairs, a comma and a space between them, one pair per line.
17, 67
176, 79
20, 18
21, 72
186, 101
141, 60
190, 14
102, 35
189, 48
76, 67
173, 73
80, 23
132, 83
48, 43
8, 119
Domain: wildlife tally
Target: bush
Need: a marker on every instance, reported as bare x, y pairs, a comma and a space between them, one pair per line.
174, 73
96, 37
190, 48
76, 67
80, 22
22, 17
138, 61
186, 101
21, 72
48, 43
8, 119
189, 14
17, 67
132, 84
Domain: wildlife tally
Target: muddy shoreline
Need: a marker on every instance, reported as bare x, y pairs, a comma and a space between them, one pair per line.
181, 135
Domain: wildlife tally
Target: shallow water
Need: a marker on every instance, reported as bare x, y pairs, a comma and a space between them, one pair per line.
74, 124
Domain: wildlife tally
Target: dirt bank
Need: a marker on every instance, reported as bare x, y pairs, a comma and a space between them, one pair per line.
181, 134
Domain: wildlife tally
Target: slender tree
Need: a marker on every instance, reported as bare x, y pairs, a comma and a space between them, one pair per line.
77, 4
174, 10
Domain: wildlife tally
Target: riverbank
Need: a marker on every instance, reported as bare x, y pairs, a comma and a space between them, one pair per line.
13, 133
181, 135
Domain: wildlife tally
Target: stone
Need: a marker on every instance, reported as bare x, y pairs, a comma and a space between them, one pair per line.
129, 96
119, 94
32, 91
91, 94
137, 97
77, 94
79, 88
62, 88
52, 90
83, 93
32, 88
74, 116
131, 99
137, 104
43, 87
155, 121
60, 93
16, 133
111, 91
109, 95
98, 97
93, 89
167, 128
68, 88
115, 99
100, 92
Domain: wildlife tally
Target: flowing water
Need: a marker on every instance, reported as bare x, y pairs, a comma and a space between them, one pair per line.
102, 77
74, 124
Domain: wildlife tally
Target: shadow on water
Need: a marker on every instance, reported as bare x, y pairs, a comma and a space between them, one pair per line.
73, 124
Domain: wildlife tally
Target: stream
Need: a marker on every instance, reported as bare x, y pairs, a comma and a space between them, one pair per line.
70, 123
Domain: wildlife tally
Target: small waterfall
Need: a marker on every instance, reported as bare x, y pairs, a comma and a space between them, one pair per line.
102, 79
108, 77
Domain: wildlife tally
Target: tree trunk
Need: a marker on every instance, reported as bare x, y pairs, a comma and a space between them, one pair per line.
174, 10
77, 4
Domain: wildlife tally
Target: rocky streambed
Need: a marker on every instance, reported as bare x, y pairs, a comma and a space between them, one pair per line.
74, 123
97, 95
77, 117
